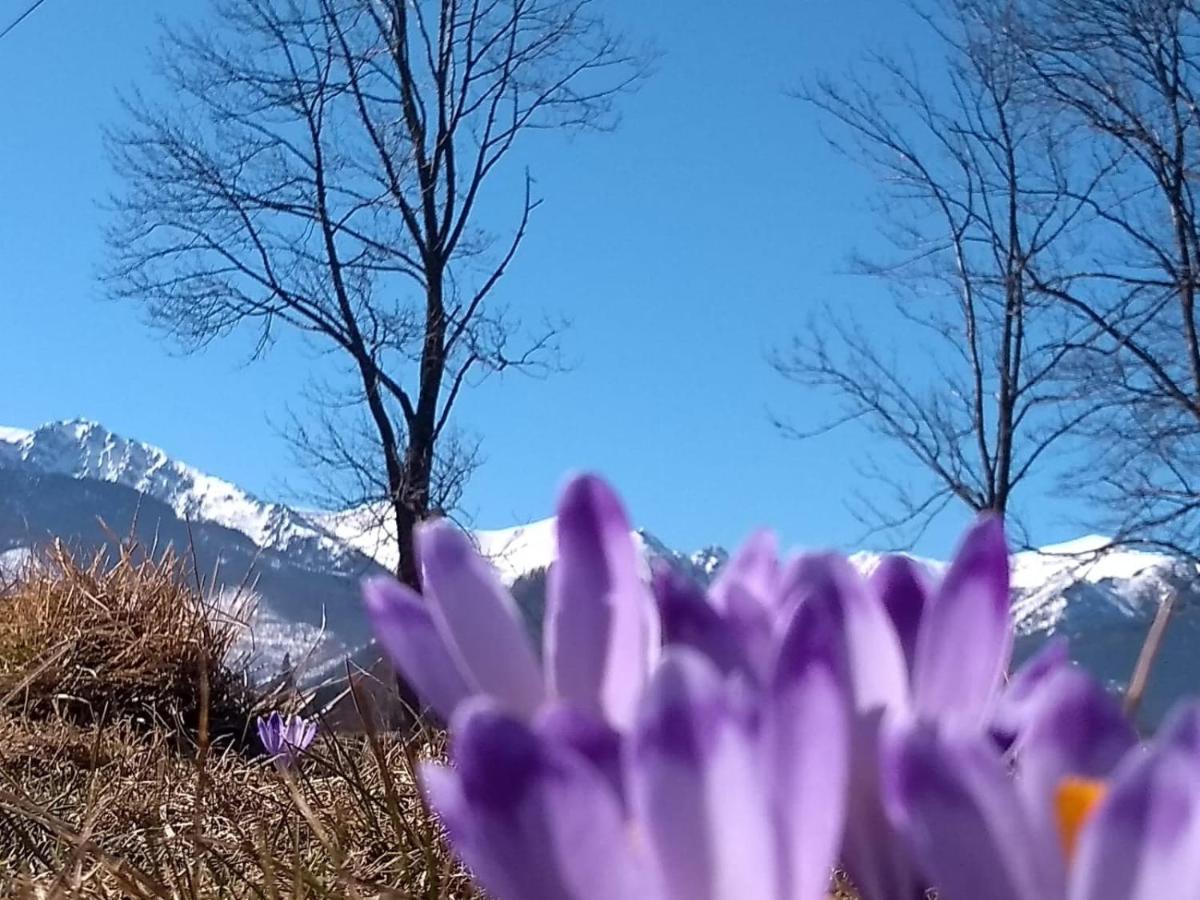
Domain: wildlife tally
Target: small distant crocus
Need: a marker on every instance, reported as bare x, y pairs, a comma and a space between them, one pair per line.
464, 636
1087, 814
285, 738
722, 794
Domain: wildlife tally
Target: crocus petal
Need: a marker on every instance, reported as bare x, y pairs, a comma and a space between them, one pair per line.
478, 618
267, 734
688, 620
875, 854
878, 674
1076, 730
531, 821
746, 595
1019, 700
966, 633
697, 788
589, 736
901, 585
753, 570
405, 629
600, 634
1181, 728
292, 730
1143, 841
806, 741
752, 625
956, 803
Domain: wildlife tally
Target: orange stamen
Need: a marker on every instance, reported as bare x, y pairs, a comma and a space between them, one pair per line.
1075, 801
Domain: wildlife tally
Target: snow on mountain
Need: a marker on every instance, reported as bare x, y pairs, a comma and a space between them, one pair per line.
1089, 582
866, 561
514, 551
520, 550
13, 435
10, 441
367, 529
80, 482
1076, 585
323, 541
11, 562
83, 449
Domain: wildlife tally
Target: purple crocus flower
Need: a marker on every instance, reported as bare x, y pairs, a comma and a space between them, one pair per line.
639, 747
464, 636
936, 649
285, 738
914, 647
1088, 813
721, 792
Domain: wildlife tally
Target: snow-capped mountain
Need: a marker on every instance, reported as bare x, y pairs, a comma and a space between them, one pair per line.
78, 481
513, 551
86, 450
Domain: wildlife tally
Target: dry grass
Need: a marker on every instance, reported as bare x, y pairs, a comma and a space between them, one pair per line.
118, 639
109, 812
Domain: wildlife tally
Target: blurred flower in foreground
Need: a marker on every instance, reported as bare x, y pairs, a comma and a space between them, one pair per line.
465, 637
737, 741
285, 738
720, 795
915, 647
1088, 813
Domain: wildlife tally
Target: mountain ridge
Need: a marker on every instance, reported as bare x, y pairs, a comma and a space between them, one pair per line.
58, 479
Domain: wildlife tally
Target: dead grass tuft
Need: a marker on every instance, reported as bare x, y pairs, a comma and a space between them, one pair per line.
126, 638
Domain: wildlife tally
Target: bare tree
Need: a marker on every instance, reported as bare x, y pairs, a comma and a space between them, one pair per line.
974, 191
1128, 71
321, 170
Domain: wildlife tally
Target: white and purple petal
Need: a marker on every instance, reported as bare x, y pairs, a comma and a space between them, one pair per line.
269, 730
752, 571
874, 852
877, 673
1143, 840
589, 736
405, 629
697, 787
1181, 728
1019, 700
601, 629
531, 820
965, 639
902, 585
956, 803
689, 620
805, 738
1075, 731
478, 619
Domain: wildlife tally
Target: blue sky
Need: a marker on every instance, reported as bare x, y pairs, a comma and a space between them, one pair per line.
682, 247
